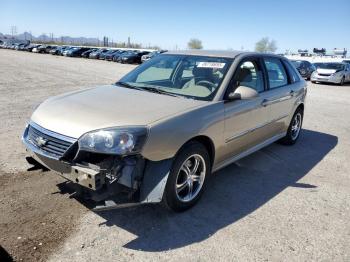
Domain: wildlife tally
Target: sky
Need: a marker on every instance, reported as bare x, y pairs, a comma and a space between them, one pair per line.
219, 24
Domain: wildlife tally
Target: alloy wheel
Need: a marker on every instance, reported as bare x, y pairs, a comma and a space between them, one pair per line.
296, 126
190, 178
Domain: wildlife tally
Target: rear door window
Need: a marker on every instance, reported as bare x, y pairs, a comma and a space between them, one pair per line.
276, 74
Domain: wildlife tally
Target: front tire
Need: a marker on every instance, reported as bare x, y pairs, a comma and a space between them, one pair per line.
188, 177
342, 81
294, 128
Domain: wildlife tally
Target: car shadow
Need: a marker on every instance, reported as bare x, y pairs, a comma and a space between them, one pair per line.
233, 193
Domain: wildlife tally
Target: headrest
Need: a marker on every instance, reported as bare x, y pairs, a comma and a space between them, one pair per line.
244, 75
202, 72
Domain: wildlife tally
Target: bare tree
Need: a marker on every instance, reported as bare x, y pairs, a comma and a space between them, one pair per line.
265, 45
194, 44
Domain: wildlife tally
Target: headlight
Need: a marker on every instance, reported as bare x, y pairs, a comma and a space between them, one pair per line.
116, 141
338, 74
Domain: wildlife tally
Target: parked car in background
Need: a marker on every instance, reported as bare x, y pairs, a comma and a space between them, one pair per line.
76, 51
62, 49
54, 50
118, 54
126, 53
109, 56
36, 49
305, 68
43, 49
151, 55
46, 49
21, 47
97, 53
347, 61
13, 46
337, 73
30, 47
138, 137
109, 52
316, 65
132, 57
88, 52
65, 51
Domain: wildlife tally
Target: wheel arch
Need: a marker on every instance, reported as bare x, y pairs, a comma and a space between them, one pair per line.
156, 172
301, 107
207, 142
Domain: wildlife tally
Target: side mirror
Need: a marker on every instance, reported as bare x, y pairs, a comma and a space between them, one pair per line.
243, 93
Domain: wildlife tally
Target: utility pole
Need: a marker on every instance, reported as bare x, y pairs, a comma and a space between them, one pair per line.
13, 30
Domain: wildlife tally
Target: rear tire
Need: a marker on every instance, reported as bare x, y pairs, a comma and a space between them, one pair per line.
342, 81
294, 128
188, 177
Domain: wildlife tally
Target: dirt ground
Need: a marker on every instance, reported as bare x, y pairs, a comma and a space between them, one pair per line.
281, 203
35, 217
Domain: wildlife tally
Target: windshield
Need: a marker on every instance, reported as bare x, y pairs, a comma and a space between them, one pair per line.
196, 77
335, 66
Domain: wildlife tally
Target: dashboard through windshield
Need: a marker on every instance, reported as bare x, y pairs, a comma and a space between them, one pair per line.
197, 77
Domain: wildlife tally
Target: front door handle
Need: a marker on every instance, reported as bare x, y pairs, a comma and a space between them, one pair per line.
291, 93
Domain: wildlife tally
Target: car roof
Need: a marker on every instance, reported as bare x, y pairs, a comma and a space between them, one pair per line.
218, 53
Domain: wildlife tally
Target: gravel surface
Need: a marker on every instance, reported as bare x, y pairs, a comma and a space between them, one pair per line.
279, 204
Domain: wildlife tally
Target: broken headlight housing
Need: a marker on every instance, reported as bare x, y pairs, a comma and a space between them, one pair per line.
115, 141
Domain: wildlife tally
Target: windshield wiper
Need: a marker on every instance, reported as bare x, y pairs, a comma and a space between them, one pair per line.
159, 91
127, 85
149, 89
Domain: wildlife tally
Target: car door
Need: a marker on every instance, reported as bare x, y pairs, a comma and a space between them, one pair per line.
308, 68
245, 120
347, 72
281, 95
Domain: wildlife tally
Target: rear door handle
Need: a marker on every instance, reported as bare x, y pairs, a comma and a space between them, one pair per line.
265, 102
292, 93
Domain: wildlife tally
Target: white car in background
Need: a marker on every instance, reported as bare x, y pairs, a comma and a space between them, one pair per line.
337, 73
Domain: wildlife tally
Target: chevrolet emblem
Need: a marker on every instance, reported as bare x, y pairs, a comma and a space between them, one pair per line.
40, 141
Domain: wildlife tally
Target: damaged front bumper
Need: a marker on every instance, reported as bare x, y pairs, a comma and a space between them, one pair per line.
100, 176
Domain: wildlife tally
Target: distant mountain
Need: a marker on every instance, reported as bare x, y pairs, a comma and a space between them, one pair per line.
62, 39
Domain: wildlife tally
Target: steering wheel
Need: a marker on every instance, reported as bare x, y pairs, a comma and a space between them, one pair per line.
206, 84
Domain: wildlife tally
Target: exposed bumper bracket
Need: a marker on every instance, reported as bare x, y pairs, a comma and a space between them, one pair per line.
110, 205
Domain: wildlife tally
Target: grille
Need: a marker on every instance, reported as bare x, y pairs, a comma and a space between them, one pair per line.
324, 74
48, 143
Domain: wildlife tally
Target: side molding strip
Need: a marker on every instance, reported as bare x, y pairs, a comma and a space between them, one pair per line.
254, 128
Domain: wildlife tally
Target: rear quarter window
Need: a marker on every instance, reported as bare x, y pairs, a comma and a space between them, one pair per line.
292, 72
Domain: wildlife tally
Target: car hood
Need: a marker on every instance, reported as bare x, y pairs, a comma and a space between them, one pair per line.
325, 71
76, 113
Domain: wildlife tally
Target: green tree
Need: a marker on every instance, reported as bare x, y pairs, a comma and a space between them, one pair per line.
194, 44
265, 45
